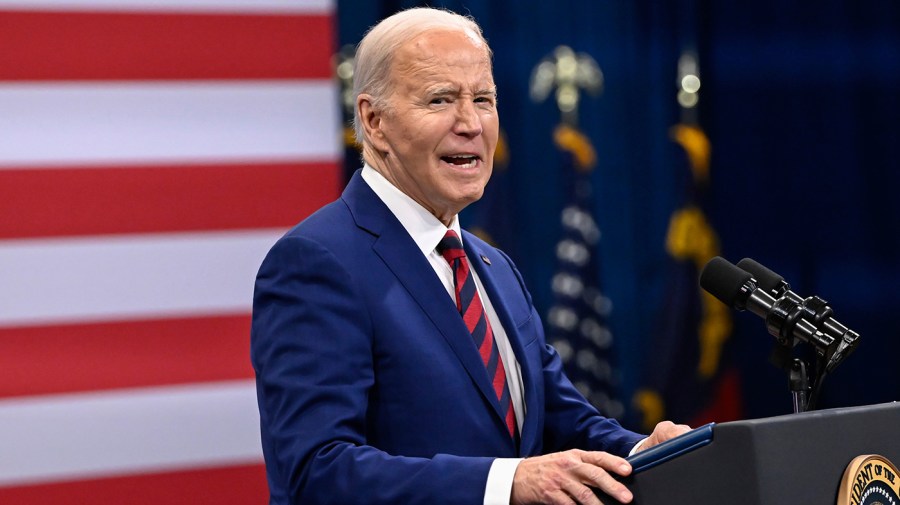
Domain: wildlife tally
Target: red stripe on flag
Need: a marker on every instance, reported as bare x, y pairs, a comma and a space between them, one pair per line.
237, 485
91, 201
84, 357
98, 45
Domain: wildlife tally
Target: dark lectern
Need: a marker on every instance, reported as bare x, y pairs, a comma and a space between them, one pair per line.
785, 460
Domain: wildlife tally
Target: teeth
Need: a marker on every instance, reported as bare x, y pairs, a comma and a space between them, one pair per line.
462, 160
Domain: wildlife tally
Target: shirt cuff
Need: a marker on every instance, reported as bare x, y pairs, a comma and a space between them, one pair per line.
636, 447
498, 489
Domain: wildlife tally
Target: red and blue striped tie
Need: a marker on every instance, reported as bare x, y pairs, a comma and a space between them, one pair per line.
469, 305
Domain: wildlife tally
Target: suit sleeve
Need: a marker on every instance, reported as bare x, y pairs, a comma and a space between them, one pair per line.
311, 349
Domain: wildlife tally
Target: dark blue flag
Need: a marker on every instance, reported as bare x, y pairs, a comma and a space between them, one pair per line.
577, 321
688, 378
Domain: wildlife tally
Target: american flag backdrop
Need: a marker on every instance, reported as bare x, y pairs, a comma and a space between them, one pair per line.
150, 153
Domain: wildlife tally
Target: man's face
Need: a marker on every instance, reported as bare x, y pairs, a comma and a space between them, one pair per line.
439, 130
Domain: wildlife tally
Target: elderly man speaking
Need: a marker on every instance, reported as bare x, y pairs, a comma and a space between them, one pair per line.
399, 360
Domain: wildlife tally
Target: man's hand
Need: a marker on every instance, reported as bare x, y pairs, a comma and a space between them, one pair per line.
662, 432
566, 478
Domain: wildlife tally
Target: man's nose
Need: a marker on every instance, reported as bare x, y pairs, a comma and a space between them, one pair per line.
468, 122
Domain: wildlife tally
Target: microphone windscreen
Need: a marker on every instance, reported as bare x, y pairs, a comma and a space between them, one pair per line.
725, 281
768, 280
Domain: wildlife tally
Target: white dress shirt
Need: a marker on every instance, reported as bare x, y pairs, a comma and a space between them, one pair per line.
427, 231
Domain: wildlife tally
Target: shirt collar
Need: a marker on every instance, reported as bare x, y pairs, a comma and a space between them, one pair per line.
425, 229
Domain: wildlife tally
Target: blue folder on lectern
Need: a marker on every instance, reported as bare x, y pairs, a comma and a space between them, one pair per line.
673, 448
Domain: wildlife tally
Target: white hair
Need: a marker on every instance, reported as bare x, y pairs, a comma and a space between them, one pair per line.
375, 53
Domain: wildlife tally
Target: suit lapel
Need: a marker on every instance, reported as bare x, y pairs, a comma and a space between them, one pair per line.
401, 255
484, 269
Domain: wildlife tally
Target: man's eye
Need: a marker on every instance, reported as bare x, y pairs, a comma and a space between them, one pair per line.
439, 101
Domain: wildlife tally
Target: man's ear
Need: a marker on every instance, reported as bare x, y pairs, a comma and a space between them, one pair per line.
370, 119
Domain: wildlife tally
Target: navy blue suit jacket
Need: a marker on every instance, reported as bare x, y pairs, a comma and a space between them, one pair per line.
370, 387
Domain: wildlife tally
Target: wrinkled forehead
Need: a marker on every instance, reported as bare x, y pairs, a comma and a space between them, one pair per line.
442, 47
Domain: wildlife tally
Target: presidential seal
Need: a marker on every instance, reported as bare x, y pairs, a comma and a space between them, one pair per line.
870, 480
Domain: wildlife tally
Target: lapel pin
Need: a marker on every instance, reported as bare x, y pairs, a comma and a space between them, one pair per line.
485, 259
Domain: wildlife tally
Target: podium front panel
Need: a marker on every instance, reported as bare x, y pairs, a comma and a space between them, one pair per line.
784, 460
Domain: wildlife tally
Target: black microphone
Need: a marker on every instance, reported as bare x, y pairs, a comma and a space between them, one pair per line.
818, 312
739, 289
768, 280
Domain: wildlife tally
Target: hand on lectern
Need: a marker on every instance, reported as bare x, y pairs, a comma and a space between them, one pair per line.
568, 477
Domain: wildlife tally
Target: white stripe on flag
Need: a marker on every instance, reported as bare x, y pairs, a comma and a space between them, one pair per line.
88, 123
63, 437
225, 6
48, 281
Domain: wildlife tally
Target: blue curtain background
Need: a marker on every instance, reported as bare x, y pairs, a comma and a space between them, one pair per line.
801, 105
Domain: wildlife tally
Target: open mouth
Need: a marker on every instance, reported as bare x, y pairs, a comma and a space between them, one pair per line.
461, 160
